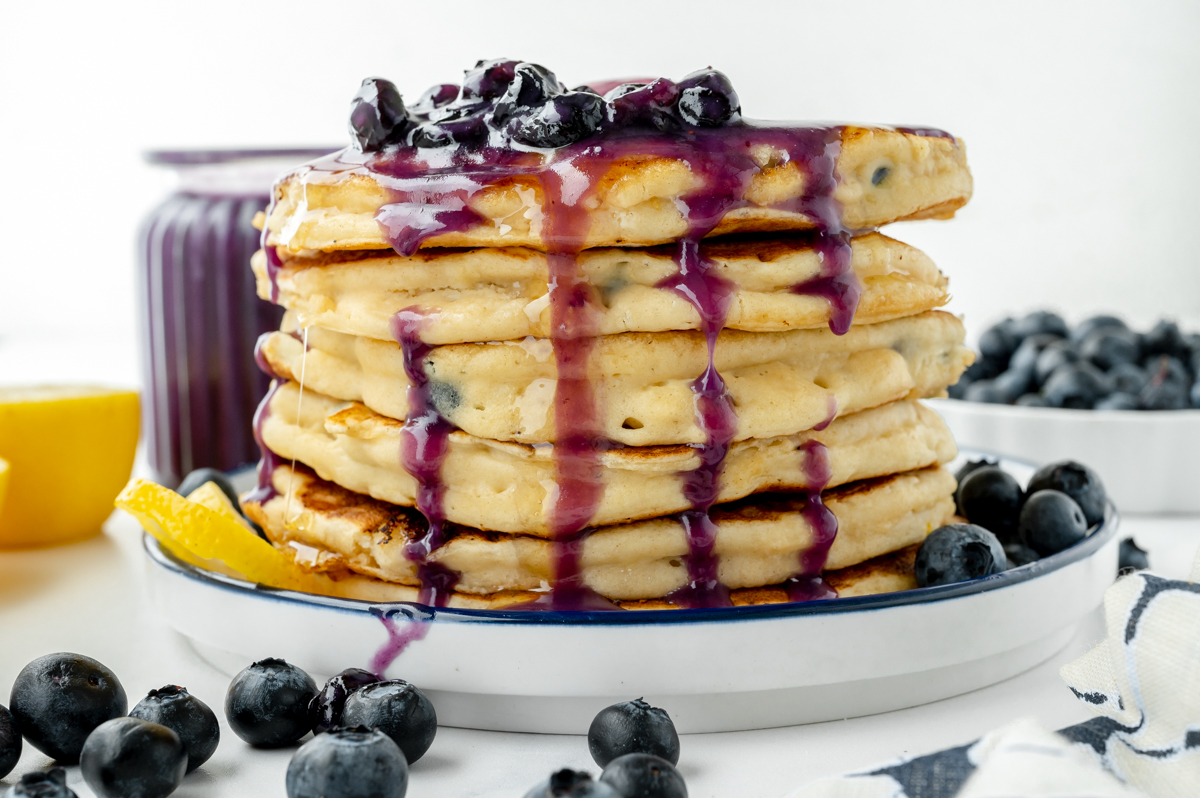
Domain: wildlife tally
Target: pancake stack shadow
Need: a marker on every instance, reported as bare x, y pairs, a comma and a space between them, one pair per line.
596, 400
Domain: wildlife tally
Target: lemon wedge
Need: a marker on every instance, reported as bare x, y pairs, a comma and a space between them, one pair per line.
69, 449
211, 496
207, 537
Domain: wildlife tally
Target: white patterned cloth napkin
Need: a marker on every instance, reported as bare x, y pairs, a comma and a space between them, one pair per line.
1143, 683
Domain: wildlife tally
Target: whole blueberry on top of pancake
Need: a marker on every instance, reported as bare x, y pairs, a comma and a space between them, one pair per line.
377, 114
505, 104
707, 99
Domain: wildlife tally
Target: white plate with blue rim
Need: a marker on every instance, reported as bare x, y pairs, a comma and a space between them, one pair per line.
723, 669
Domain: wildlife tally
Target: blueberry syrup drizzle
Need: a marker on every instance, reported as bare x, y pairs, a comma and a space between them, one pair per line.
807, 584
424, 441
477, 142
398, 639
268, 460
579, 438
711, 295
274, 263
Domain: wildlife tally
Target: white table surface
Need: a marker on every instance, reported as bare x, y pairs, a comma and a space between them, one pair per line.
88, 598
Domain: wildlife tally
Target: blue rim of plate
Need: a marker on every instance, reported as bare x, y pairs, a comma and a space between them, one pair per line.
1097, 537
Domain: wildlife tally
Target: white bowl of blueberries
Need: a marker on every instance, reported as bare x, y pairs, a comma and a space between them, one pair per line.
1123, 401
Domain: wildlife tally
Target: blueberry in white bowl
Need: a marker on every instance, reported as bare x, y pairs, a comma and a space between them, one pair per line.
189, 717
1118, 400
644, 776
399, 710
58, 699
567, 783
632, 727
268, 703
10, 742
133, 758
1084, 367
348, 763
50, 783
958, 553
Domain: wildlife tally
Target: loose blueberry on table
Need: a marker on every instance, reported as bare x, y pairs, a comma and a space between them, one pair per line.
268, 704
568, 783
632, 727
1132, 557
1100, 364
327, 706
348, 763
50, 783
57, 700
187, 716
133, 758
644, 776
10, 742
399, 710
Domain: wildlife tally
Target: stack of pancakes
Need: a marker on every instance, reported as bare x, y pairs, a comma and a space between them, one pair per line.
495, 418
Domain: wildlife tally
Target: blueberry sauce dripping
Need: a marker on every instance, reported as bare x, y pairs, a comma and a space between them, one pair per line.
579, 439
725, 180
269, 460
837, 283
928, 132
424, 441
711, 296
807, 584
399, 638
274, 263
830, 414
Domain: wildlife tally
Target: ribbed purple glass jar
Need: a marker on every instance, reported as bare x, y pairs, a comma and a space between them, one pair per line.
200, 313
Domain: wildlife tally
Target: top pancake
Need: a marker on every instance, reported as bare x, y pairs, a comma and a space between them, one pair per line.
882, 175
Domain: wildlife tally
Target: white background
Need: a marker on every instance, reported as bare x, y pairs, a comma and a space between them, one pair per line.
1081, 122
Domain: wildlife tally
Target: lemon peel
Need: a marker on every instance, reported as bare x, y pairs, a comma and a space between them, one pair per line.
199, 535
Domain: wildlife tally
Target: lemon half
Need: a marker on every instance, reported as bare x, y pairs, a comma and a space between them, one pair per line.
70, 450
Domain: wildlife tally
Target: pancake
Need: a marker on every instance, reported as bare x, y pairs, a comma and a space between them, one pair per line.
882, 175
500, 294
759, 540
781, 383
510, 487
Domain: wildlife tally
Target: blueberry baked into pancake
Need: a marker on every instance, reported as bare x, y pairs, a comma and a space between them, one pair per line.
557, 349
